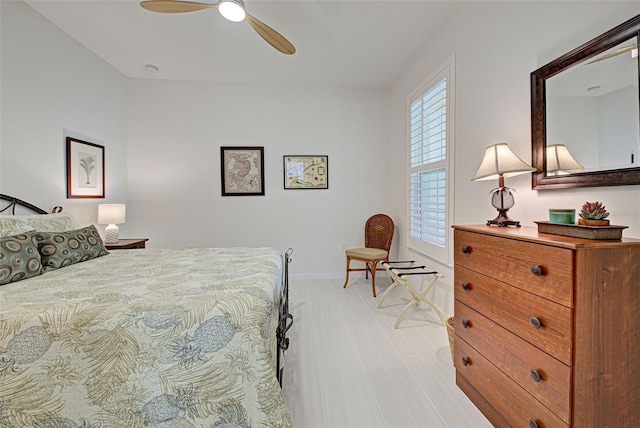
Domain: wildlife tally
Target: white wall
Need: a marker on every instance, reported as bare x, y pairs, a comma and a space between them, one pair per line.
175, 133
168, 172
497, 45
52, 87
1, 97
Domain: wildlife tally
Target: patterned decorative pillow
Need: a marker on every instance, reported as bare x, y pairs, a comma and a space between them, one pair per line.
10, 225
58, 222
59, 249
19, 258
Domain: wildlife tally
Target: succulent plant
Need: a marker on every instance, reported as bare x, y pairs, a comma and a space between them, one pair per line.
593, 211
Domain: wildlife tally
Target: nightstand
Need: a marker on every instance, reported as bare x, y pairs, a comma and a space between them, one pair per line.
127, 244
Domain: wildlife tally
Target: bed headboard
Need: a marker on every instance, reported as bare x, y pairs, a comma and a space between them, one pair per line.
15, 202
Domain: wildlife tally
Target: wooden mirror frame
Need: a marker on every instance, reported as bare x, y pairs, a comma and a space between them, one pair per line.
539, 178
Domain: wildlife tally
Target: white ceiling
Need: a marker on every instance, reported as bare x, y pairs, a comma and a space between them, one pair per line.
363, 43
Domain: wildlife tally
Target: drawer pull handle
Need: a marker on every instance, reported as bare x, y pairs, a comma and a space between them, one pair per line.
465, 286
535, 322
465, 361
535, 375
533, 424
536, 270
465, 324
465, 249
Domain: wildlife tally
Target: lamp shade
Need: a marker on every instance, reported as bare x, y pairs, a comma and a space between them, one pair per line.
500, 161
111, 213
559, 159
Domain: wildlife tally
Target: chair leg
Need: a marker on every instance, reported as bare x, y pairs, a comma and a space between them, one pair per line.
373, 276
346, 281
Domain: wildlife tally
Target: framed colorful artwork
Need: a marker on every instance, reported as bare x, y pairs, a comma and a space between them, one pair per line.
242, 171
306, 172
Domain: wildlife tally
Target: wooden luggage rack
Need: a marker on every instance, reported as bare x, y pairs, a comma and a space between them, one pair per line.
401, 273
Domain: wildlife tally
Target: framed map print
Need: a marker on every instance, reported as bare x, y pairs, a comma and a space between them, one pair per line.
306, 172
242, 171
85, 169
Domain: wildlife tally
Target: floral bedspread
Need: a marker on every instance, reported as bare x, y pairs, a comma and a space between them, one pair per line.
144, 338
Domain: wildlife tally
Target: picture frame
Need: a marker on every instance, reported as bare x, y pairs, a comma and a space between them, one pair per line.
85, 169
242, 171
306, 171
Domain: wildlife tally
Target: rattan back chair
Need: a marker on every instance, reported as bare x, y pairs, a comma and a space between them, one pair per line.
378, 235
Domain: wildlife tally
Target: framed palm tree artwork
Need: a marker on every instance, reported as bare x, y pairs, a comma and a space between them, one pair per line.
85, 169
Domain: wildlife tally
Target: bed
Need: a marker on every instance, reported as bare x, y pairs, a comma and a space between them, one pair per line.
141, 338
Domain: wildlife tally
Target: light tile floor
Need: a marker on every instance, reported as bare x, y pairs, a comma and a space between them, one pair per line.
348, 367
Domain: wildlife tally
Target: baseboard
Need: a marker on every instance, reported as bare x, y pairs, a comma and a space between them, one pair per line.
311, 276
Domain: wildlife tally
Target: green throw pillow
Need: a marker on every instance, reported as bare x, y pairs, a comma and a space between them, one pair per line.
19, 258
59, 249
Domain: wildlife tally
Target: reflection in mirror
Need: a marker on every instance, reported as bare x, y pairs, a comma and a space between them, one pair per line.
593, 109
560, 161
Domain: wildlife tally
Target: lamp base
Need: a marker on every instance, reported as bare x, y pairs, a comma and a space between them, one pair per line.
503, 220
499, 223
111, 233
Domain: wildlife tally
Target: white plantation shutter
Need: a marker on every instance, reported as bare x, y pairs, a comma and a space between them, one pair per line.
429, 126
428, 206
430, 148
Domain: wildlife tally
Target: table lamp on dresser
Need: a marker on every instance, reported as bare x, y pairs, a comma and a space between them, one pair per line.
499, 162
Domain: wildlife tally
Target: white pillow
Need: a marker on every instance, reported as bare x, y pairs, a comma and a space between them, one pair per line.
12, 225
58, 222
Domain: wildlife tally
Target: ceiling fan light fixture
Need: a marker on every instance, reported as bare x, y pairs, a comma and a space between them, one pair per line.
233, 10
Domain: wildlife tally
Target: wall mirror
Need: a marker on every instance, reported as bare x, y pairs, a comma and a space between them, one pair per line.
586, 104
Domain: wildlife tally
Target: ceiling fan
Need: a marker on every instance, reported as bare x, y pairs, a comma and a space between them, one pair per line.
633, 48
233, 10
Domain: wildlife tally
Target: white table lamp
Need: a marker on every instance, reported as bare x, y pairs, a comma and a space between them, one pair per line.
111, 214
499, 162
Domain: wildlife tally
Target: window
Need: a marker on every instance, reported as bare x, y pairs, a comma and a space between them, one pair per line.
430, 201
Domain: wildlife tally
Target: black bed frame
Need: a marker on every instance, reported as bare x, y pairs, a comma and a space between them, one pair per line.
285, 319
13, 202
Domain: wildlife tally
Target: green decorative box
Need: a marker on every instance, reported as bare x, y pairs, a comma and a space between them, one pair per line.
561, 215
581, 231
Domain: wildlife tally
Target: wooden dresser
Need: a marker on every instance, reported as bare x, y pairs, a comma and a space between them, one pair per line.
547, 328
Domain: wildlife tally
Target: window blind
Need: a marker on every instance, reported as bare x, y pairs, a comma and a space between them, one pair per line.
428, 206
429, 165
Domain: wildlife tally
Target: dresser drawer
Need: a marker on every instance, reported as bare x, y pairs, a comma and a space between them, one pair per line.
513, 308
544, 377
517, 262
516, 406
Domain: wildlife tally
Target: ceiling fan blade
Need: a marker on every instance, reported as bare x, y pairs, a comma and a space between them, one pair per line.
174, 6
614, 53
271, 36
